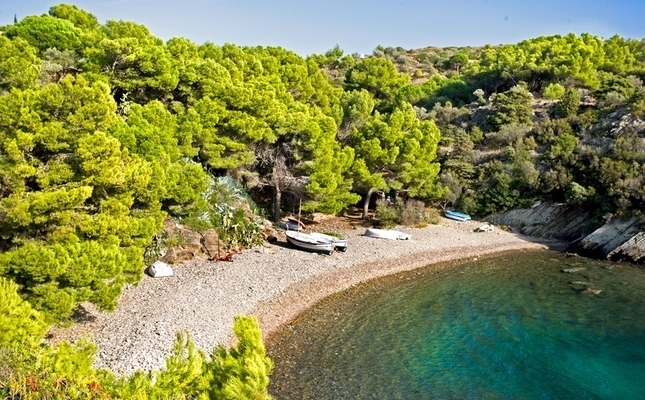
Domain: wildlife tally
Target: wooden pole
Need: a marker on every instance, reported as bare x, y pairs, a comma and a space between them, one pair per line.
299, 209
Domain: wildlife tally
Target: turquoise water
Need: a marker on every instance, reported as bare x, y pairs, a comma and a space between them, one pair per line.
511, 327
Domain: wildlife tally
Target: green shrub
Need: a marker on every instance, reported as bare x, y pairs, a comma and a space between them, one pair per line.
405, 212
30, 369
412, 213
386, 214
569, 105
553, 91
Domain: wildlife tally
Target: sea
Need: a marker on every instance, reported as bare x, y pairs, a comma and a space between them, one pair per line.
522, 325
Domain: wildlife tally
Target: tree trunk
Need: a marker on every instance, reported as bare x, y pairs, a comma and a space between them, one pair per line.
277, 198
366, 204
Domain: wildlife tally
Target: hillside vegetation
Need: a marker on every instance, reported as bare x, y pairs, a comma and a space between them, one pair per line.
106, 131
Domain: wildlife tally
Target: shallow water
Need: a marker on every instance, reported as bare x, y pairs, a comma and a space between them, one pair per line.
510, 327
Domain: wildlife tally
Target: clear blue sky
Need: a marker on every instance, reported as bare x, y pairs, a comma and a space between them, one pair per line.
358, 26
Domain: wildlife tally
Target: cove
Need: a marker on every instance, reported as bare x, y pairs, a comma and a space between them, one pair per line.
509, 327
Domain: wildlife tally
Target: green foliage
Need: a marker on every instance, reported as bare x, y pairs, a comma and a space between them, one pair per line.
46, 32
405, 212
563, 147
21, 327
458, 61
30, 370
75, 225
512, 107
547, 130
569, 104
379, 77
559, 57
439, 89
19, 64
577, 194
397, 151
236, 226
553, 91
386, 214
242, 372
105, 130
81, 19
507, 135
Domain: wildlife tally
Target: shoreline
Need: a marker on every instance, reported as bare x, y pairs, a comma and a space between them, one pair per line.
280, 311
274, 282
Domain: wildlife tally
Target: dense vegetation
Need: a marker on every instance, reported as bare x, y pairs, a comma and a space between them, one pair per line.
557, 118
106, 130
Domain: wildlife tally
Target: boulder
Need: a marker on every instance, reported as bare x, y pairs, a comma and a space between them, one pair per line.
632, 250
176, 255
160, 269
610, 236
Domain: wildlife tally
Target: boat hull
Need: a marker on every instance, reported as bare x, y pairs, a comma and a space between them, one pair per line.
339, 243
308, 242
386, 234
457, 216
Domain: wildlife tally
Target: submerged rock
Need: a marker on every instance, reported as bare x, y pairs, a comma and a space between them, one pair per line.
589, 290
572, 270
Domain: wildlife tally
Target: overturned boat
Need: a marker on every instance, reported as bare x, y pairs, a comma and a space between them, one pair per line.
457, 216
386, 234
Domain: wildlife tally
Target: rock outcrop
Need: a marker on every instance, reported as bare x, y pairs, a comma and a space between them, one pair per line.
180, 243
633, 249
615, 239
604, 240
546, 220
183, 244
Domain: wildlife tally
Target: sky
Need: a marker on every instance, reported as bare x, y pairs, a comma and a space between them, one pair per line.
358, 26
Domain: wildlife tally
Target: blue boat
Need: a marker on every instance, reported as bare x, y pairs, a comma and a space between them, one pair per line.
456, 215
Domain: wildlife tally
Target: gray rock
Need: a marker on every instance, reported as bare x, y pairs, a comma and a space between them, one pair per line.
572, 270
607, 238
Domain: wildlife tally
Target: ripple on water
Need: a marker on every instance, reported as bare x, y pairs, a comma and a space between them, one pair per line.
513, 326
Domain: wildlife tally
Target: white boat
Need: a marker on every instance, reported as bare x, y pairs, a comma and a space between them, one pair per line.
485, 228
386, 234
339, 243
309, 242
292, 224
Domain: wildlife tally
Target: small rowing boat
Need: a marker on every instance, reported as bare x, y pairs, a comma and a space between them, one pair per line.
339, 243
309, 242
457, 216
386, 234
292, 224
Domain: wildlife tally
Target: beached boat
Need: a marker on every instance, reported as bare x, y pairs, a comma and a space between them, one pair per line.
292, 224
339, 243
457, 216
386, 234
309, 242
485, 228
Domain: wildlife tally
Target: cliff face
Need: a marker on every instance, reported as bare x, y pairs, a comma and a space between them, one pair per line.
616, 239
546, 220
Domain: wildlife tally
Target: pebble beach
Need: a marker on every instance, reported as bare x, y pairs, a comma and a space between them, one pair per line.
275, 282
